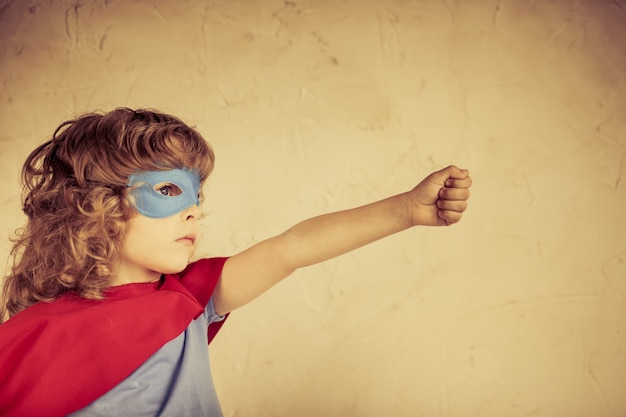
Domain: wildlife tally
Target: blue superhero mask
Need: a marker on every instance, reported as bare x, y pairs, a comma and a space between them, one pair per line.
161, 194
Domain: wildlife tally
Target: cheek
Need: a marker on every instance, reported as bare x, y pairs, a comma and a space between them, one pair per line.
141, 233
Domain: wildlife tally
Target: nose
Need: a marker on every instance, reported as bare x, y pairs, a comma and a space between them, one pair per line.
192, 213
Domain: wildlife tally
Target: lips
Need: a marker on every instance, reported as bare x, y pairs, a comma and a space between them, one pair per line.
189, 239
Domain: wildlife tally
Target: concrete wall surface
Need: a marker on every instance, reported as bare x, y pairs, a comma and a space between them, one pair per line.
316, 106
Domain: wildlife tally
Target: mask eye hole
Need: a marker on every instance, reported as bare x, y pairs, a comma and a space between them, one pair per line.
168, 189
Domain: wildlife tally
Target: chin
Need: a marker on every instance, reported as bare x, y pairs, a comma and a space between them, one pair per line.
174, 268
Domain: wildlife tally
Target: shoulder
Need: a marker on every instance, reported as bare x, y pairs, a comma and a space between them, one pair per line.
205, 268
201, 277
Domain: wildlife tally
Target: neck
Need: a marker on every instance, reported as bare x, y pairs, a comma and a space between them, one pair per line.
124, 275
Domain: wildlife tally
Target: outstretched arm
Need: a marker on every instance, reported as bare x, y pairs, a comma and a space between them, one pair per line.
439, 200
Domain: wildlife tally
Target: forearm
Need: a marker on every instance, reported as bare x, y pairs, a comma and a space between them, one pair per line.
330, 235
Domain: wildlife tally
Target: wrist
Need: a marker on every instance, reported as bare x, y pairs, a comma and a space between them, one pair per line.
408, 214
416, 212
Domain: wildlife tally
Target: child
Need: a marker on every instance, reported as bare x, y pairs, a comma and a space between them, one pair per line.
108, 317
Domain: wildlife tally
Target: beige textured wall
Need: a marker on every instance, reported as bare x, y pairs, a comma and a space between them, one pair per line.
315, 106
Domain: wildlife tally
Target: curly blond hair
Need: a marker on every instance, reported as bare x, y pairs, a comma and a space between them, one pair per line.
77, 203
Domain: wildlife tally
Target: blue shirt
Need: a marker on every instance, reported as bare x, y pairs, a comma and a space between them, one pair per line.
175, 381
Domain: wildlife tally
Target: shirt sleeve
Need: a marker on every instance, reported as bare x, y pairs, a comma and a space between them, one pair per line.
201, 278
215, 321
211, 315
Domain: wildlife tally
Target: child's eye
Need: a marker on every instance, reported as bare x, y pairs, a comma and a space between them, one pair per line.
168, 189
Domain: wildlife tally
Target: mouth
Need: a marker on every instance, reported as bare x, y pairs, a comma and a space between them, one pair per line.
187, 240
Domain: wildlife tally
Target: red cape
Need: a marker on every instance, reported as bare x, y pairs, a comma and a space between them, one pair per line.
58, 357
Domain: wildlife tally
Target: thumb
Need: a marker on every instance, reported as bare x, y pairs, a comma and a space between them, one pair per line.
451, 171
456, 172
